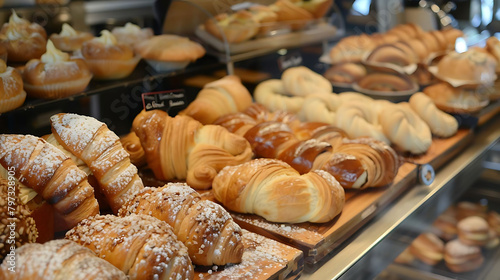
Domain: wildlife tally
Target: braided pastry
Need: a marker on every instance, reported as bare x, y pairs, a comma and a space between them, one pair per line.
182, 148
440, 123
142, 247
320, 107
91, 141
302, 81
59, 259
405, 128
274, 190
208, 231
45, 169
224, 96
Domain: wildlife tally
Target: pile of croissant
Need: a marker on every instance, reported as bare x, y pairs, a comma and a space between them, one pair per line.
153, 233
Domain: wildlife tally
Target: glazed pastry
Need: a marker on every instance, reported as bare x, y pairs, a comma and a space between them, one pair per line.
22, 39
59, 259
301, 81
92, 142
108, 59
12, 94
208, 231
271, 93
45, 169
142, 247
55, 75
183, 148
69, 39
428, 248
257, 187
132, 144
169, 52
473, 231
221, 97
131, 34
440, 123
462, 258
25, 229
405, 128
233, 28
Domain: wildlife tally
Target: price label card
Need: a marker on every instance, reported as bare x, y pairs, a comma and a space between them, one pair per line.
289, 60
163, 100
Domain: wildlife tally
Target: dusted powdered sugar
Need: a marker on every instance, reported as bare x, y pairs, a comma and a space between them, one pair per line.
75, 130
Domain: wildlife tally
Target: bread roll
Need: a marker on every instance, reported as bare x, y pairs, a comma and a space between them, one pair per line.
440, 123
12, 94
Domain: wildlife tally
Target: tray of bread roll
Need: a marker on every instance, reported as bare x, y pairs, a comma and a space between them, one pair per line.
453, 252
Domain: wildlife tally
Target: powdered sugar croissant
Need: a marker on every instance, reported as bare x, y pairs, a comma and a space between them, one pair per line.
44, 168
207, 229
91, 141
182, 148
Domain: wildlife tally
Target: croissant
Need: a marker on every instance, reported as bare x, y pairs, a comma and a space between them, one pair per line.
208, 231
91, 141
224, 96
44, 168
182, 148
141, 246
132, 144
274, 190
58, 259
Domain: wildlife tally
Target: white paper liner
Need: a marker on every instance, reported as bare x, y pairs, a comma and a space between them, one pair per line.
459, 83
409, 69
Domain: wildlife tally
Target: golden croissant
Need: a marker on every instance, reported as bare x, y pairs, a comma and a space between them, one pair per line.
50, 173
58, 259
207, 229
182, 148
91, 141
143, 247
274, 190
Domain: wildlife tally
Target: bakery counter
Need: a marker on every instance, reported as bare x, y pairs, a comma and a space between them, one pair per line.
373, 248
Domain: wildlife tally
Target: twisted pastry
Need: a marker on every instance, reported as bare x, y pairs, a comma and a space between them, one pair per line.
91, 141
182, 148
440, 123
44, 168
142, 247
405, 128
302, 81
224, 96
271, 93
320, 107
59, 259
274, 190
208, 231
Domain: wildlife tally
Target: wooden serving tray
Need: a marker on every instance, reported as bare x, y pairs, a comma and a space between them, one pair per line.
317, 240
443, 149
263, 258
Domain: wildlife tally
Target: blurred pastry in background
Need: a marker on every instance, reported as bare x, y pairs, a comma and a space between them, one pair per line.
474, 231
233, 28
345, 73
12, 94
131, 34
462, 258
428, 248
69, 39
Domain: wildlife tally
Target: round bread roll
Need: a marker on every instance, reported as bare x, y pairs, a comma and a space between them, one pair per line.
12, 94
170, 48
69, 39
17, 227
55, 75
271, 93
428, 248
472, 67
108, 59
131, 34
440, 123
22, 39
301, 81
233, 28
460, 258
473, 231
456, 100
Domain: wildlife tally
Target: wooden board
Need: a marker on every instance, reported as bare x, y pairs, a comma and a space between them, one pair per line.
263, 258
442, 150
317, 240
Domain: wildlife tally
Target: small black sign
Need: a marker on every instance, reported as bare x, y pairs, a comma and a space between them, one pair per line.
163, 100
289, 60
